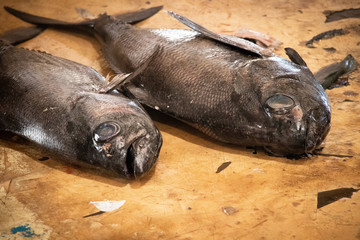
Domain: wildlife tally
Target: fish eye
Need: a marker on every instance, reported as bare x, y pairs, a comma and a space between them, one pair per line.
106, 130
279, 104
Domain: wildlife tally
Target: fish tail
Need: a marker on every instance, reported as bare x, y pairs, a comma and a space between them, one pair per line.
19, 35
130, 18
137, 16
48, 22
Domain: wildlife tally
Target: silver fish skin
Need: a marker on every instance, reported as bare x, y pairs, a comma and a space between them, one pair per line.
54, 103
229, 89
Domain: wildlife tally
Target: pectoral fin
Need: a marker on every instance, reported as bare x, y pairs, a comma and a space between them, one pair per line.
121, 79
229, 40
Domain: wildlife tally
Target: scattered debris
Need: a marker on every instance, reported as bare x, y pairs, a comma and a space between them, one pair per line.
325, 35
94, 214
342, 14
229, 210
350, 93
333, 155
348, 100
105, 206
108, 206
330, 49
258, 170
327, 197
223, 166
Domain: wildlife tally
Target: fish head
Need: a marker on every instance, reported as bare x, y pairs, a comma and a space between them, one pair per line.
124, 138
293, 106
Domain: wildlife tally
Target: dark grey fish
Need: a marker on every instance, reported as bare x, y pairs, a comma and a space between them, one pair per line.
55, 103
227, 87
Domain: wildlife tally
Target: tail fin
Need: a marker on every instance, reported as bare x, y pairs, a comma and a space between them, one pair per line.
19, 35
48, 22
138, 16
131, 18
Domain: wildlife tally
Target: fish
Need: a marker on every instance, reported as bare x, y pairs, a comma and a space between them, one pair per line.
229, 88
57, 104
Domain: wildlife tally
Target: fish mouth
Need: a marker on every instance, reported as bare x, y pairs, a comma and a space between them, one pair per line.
304, 138
316, 133
141, 156
129, 167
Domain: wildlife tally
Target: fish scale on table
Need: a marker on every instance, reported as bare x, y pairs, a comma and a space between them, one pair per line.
231, 89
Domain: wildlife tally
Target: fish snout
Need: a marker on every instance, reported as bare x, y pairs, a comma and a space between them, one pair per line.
300, 132
142, 154
130, 153
318, 126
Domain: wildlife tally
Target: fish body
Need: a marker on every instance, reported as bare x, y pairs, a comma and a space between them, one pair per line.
55, 103
227, 87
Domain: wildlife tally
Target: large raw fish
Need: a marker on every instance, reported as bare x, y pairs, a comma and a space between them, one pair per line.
227, 87
56, 103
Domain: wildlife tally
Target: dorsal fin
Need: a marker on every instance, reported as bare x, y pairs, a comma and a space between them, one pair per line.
295, 56
229, 40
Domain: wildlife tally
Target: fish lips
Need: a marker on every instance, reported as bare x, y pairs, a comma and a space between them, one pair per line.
141, 155
131, 158
318, 126
305, 139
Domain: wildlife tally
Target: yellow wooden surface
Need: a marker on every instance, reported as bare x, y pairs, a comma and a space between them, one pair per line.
183, 197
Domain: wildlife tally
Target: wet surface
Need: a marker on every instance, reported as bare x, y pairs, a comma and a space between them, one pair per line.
183, 196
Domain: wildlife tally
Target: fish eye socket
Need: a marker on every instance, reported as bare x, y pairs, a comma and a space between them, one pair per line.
280, 104
106, 130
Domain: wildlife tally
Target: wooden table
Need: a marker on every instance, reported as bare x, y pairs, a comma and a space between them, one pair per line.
255, 197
